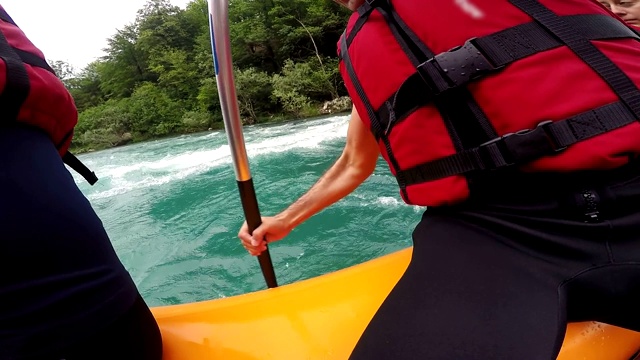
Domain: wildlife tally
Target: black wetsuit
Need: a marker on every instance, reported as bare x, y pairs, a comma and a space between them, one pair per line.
499, 276
64, 294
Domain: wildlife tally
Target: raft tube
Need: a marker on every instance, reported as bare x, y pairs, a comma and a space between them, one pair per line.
323, 318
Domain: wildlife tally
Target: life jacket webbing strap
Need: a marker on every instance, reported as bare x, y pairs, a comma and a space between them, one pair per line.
33, 60
17, 86
487, 54
356, 82
548, 138
27, 57
619, 82
466, 123
4, 16
422, 51
75, 163
79, 167
363, 11
370, 111
404, 36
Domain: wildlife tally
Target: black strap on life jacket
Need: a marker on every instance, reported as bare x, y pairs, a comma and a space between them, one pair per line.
4, 16
17, 87
466, 123
75, 163
482, 56
79, 167
26, 57
444, 74
549, 137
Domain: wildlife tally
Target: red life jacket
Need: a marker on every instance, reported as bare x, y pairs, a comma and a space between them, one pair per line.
32, 94
453, 89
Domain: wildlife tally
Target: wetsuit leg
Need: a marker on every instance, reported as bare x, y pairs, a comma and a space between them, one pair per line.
611, 293
61, 284
134, 335
466, 295
500, 277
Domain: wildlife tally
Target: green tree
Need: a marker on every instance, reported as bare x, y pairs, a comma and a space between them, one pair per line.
153, 112
157, 76
64, 71
125, 65
253, 92
86, 87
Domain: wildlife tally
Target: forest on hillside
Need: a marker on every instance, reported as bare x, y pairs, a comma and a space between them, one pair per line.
157, 77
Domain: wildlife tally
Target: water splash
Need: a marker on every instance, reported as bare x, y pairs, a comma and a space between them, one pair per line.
154, 163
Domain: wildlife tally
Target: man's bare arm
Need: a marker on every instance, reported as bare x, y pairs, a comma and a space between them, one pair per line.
354, 166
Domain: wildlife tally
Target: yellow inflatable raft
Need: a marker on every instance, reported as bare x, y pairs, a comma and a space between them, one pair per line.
323, 317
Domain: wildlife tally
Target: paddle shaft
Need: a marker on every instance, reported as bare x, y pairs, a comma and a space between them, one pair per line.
223, 64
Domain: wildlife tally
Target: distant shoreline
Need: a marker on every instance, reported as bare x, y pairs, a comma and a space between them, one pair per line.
216, 127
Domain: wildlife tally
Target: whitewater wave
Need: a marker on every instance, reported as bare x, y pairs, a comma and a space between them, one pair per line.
142, 170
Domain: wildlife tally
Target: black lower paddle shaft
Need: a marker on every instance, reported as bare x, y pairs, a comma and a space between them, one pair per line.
252, 214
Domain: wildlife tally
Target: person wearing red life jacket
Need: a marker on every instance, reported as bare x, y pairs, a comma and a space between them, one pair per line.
515, 122
627, 10
64, 294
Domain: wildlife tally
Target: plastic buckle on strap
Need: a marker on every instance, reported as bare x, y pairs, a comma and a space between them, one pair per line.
464, 63
520, 147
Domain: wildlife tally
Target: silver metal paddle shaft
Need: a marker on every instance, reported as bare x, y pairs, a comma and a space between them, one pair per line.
219, 25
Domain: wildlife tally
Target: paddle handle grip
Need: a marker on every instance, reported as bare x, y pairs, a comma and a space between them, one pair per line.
252, 214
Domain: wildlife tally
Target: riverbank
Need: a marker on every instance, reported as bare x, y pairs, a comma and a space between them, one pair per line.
107, 140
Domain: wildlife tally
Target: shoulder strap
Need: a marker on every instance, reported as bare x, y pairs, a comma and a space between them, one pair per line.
557, 26
79, 167
26, 57
549, 137
17, 87
485, 55
465, 121
4, 16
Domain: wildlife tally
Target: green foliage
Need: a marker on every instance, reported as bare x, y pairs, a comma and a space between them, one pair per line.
197, 121
86, 89
97, 139
254, 93
102, 126
153, 112
208, 98
113, 116
157, 77
308, 78
64, 70
177, 76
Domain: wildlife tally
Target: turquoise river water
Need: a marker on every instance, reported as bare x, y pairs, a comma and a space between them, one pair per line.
172, 210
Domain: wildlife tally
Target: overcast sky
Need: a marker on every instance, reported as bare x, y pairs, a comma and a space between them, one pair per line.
74, 31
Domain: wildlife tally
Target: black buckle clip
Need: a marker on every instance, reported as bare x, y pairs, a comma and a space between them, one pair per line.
521, 146
458, 66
